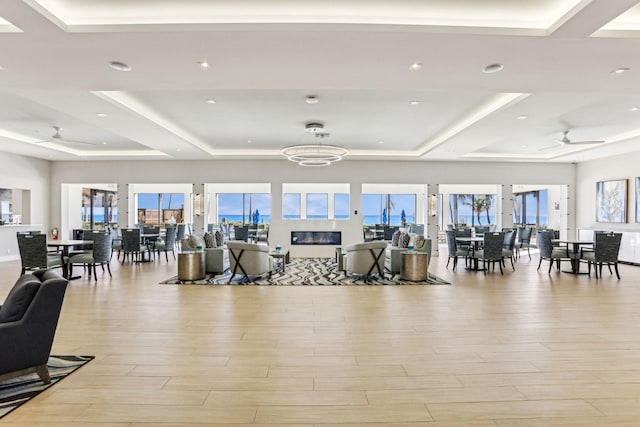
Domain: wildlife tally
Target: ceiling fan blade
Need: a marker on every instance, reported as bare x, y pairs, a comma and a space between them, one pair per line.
584, 142
76, 142
549, 147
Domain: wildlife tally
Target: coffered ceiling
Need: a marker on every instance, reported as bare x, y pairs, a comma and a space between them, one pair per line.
567, 65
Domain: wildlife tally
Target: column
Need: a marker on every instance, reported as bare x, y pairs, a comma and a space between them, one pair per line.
506, 206
198, 211
433, 230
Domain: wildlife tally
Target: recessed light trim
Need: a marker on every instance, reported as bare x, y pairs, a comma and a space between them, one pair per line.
414, 103
620, 70
522, 117
120, 66
311, 99
415, 66
102, 115
211, 101
493, 68
635, 108
204, 64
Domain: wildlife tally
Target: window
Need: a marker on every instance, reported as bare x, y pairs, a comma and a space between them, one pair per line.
315, 201
291, 206
99, 208
472, 209
317, 206
160, 208
531, 208
390, 209
341, 206
244, 208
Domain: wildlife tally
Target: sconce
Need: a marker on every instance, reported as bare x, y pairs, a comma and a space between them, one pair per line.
197, 204
433, 205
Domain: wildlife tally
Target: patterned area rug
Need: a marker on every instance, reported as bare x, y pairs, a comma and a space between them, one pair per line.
19, 390
307, 272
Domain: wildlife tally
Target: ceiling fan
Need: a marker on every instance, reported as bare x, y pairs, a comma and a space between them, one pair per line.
566, 141
58, 138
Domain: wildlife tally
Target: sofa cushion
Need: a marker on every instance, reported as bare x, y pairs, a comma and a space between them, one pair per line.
403, 240
19, 298
219, 238
395, 238
196, 240
209, 240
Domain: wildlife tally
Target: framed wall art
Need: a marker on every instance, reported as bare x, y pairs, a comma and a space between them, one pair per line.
611, 201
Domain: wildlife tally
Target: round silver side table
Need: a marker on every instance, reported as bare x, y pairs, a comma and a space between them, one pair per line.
191, 266
414, 266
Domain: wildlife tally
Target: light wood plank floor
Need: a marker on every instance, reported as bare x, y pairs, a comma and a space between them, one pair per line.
523, 349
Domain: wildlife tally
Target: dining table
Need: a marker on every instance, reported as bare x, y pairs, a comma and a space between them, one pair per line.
65, 246
475, 243
574, 246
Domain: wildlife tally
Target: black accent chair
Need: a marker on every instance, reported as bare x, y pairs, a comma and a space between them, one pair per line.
28, 322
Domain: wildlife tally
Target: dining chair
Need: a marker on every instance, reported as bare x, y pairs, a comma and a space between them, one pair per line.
455, 251
131, 244
508, 247
524, 240
241, 233
34, 254
168, 244
555, 254
492, 250
100, 254
605, 252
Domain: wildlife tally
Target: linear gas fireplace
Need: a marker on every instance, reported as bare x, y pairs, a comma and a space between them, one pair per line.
316, 238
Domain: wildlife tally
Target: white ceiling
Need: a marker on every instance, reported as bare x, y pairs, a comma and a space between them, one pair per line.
355, 55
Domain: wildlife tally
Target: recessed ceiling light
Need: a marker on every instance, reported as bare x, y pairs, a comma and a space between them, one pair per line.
211, 101
523, 117
620, 70
380, 142
414, 103
104, 142
1, 68
120, 66
311, 99
102, 114
204, 64
249, 142
415, 66
177, 150
492, 68
635, 108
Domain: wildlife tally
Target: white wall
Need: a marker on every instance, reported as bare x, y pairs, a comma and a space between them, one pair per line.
278, 172
32, 175
610, 168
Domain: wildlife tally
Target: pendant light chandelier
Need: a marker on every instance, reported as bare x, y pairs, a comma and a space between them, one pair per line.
314, 154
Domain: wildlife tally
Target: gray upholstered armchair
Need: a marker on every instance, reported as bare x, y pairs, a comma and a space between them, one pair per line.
366, 258
249, 259
28, 321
